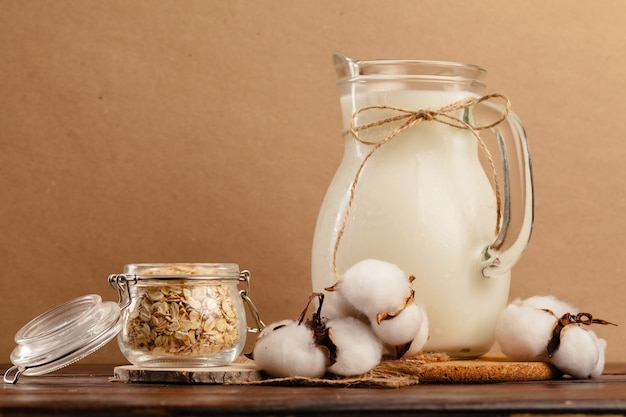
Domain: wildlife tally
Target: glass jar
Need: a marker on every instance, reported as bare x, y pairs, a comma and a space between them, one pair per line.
175, 315
167, 315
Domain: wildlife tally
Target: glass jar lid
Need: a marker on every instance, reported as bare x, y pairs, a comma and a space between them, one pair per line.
63, 335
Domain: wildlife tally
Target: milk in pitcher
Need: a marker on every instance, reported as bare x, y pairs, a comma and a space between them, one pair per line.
424, 202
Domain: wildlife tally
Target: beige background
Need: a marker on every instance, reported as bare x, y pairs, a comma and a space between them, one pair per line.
172, 131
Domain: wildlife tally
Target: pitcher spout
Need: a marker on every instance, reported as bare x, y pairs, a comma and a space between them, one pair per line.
345, 66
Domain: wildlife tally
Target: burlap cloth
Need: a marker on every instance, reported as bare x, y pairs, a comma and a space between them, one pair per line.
431, 368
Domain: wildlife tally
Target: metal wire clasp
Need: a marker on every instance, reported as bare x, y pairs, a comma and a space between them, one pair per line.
245, 295
120, 282
12, 379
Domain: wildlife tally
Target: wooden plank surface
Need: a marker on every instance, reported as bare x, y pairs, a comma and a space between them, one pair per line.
88, 390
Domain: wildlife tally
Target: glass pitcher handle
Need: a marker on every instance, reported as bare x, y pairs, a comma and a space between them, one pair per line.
517, 192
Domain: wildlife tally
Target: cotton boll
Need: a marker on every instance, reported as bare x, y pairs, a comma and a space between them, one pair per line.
358, 349
420, 339
523, 331
287, 349
335, 306
549, 302
373, 286
578, 353
401, 329
551, 330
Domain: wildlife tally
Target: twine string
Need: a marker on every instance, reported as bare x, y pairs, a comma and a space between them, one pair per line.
408, 119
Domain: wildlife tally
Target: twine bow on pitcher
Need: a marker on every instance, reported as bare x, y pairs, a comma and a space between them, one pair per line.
409, 118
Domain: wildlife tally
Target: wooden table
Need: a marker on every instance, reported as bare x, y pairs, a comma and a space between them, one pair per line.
87, 390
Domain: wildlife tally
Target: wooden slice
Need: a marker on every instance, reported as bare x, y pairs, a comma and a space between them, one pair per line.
230, 374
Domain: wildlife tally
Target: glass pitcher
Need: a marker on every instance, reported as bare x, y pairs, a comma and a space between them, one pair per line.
436, 178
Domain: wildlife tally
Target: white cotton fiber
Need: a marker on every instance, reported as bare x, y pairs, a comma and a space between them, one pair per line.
551, 303
358, 349
523, 332
287, 349
336, 306
578, 354
374, 287
420, 339
401, 329
602, 344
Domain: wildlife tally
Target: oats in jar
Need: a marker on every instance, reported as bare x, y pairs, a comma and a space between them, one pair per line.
183, 319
